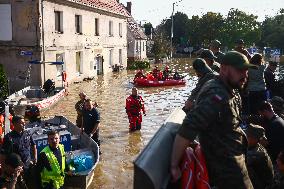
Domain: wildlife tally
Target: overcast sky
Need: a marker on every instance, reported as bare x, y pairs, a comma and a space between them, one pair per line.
155, 11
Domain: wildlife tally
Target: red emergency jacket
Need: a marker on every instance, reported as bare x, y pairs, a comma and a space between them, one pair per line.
2, 124
134, 105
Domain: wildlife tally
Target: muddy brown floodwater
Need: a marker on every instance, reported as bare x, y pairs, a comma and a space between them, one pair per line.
119, 147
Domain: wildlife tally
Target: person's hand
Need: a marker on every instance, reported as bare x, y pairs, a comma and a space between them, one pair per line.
32, 163
69, 173
17, 172
90, 135
129, 118
176, 173
188, 105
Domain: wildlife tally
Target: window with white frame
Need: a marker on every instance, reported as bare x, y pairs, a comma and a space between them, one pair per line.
120, 29
5, 22
111, 57
78, 24
110, 26
58, 21
97, 33
143, 46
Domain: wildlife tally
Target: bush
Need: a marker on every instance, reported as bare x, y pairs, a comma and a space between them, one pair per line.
135, 65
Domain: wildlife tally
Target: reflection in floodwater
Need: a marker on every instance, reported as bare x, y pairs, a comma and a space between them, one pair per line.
119, 147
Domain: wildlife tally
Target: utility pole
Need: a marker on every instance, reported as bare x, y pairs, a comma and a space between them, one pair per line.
172, 29
172, 32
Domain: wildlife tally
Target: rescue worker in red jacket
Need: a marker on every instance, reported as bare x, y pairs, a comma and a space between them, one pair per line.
156, 72
139, 74
134, 106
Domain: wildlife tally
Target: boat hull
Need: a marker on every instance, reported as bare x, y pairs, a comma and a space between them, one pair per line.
151, 167
141, 82
33, 95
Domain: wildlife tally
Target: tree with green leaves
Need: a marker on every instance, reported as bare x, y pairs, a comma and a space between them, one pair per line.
210, 27
148, 28
180, 27
161, 47
240, 25
273, 31
3, 84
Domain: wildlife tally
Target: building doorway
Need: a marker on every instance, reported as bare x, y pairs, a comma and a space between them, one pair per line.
79, 67
99, 64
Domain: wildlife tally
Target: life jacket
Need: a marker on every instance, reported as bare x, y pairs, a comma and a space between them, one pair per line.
156, 73
56, 175
139, 74
194, 170
150, 77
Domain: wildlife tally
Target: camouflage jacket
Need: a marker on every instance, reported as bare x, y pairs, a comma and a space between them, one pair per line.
219, 55
79, 107
260, 167
199, 85
215, 67
215, 119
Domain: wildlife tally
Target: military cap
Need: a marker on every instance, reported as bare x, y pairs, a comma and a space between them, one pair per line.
240, 41
199, 65
255, 131
277, 103
14, 160
206, 53
237, 60
215, 43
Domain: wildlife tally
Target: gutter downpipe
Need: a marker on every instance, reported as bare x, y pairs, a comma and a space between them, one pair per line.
43, 43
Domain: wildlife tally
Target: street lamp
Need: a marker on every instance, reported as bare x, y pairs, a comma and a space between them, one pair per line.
172, 29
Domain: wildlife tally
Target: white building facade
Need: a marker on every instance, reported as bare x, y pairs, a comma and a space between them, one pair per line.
88, 36
136, 39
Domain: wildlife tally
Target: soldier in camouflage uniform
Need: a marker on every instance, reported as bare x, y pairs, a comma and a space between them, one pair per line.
209, 57
259, 164
215, 119
204, 74
79, 108
240, 47
215, 48
278, 182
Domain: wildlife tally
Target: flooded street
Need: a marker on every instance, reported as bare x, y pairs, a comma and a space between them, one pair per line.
119, 147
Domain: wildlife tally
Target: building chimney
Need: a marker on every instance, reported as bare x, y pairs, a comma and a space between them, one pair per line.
128, 7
